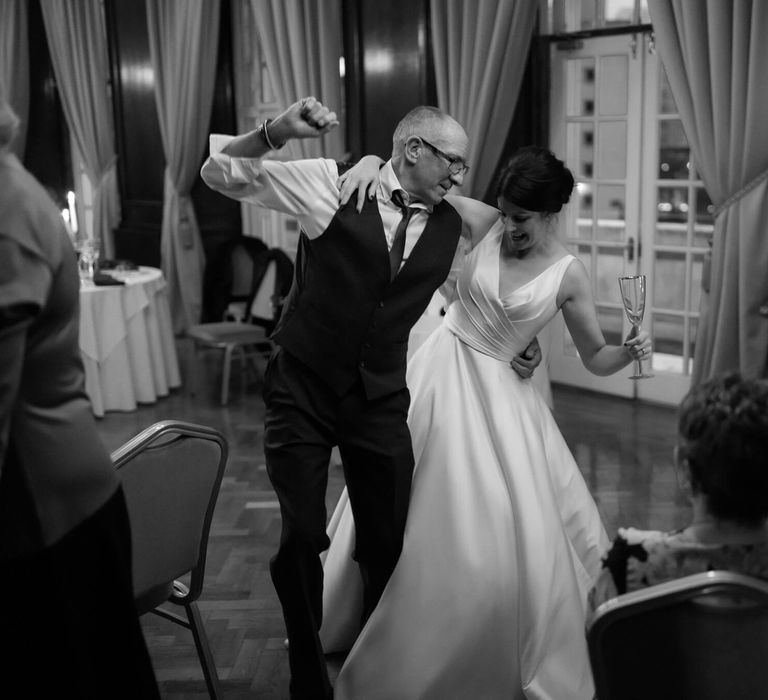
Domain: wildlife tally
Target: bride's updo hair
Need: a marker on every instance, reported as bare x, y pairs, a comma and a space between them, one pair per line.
537, 180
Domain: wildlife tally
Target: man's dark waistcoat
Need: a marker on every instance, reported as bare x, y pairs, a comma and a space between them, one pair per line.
343, 315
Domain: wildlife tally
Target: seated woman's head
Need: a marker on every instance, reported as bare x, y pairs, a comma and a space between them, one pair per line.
723, 431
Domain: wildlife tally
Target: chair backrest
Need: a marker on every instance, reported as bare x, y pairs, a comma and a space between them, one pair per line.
171, 473
701, 637
272, 279
242, 263
229, 275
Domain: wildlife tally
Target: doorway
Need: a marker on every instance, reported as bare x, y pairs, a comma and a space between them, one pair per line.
638, 207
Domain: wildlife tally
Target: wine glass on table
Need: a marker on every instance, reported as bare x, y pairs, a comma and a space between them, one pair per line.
87, 248
633, 296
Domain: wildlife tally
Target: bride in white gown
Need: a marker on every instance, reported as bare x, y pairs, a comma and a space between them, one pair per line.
503, 539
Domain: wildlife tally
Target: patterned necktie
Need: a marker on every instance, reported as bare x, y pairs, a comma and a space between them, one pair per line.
398, 244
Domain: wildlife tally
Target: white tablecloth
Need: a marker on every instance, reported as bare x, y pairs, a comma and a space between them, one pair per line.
126, 341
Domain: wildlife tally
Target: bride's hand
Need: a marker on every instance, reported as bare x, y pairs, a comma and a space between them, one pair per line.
639, 346
528, 360
363, 177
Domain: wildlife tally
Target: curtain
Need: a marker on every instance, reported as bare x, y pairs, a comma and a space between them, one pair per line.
14, 65
78, 44
183, 40
480, 49
301, 40
715, 55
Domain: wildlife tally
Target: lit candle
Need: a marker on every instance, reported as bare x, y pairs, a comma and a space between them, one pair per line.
72, 211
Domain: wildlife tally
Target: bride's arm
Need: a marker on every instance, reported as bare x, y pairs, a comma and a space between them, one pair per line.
363, 177
578, 306
477, 216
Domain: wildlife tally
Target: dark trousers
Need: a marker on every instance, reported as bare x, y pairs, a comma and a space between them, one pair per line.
304, 420
68, 618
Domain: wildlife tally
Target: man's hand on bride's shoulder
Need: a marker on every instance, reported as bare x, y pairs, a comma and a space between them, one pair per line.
363, 177
528, 360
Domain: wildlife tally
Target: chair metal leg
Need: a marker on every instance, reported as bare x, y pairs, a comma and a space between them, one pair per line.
193, 366
243, 370
203, 650
225, 374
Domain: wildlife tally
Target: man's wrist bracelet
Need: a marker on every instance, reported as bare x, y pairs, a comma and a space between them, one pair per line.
267, 140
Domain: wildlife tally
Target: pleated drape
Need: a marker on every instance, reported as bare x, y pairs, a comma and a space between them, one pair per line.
480, 50
301, 40
715, 55
14, 65
78, 44
183, 41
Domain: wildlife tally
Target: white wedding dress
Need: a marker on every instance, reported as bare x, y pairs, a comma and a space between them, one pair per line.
503, 539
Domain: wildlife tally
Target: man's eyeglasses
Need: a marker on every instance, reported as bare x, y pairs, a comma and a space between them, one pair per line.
456, 166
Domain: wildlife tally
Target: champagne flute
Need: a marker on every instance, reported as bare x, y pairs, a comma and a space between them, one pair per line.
633, 296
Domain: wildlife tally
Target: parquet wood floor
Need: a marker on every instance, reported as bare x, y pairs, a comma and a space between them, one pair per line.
624, 449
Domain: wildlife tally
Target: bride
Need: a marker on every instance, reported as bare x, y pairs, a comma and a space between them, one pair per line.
503, 539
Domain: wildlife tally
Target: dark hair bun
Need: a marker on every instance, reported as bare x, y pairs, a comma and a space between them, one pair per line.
537, 180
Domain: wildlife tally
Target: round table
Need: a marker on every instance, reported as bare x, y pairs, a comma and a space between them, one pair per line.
126, 341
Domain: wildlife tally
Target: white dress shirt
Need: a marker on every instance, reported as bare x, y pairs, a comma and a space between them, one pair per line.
307, 190
304, 189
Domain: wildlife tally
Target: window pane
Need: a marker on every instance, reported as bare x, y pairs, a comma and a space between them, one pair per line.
612, 150
577, 15
667, 334
645, 15
614, 85
669, 280
583, 136
671, 234
619, 12
611, 202
672, 216
697, 267
674, 153
610, 266
581, 79
586, 17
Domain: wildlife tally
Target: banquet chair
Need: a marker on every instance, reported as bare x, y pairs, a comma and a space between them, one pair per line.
273, 275
228, 277
171, 473
700, 637
246, 336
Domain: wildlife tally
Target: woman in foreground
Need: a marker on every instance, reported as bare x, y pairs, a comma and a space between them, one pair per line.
68, 618
722, 464
503, 539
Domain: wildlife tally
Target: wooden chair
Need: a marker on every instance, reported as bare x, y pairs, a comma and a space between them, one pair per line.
701, 637
171, 473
